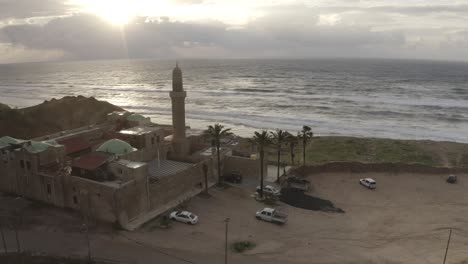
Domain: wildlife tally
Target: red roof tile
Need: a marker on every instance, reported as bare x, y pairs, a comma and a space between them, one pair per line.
90, 161
74, 145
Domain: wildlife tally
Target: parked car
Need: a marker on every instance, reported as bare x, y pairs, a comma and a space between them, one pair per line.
184, 217
234, 177
452, 179
297, 182
272, 215
268, 189
368, 182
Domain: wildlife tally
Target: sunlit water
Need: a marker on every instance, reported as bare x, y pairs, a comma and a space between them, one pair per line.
376, 98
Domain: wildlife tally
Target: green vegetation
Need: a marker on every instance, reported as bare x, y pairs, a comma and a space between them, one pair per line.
322, 150
241, 246
216, 133
262, 140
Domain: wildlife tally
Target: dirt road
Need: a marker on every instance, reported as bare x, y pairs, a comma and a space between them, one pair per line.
405, 220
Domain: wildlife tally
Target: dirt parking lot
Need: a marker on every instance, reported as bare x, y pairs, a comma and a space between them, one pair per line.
404, 220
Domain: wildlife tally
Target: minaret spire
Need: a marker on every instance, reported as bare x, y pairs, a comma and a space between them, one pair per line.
178, 111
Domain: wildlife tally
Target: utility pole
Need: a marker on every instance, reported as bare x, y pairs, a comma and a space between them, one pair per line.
16, 227
226, 221
85, 211
3, 239
448, 243
87, 241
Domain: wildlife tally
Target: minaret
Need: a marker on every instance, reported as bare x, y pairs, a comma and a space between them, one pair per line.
178, 111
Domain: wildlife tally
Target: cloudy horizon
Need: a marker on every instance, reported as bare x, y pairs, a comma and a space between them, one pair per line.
51, 30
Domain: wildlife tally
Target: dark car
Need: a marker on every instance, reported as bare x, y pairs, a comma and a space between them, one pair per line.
452, 179
234, 177
297, 182
296, 179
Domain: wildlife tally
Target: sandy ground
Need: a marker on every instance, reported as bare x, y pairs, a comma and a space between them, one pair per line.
405, 220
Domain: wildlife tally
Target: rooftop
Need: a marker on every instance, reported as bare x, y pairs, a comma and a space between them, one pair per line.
73, 145
130, 164
140, 130
164, 168
90, 161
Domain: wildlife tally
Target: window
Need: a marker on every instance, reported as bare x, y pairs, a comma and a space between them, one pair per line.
75, 200
28, 165
152, 141
120, 171
157, 139
49, 189
22, 164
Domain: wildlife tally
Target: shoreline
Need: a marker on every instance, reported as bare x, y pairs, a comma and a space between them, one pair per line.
68, 113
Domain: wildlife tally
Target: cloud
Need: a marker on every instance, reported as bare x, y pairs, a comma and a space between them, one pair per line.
294, 30
31, 8
89, 37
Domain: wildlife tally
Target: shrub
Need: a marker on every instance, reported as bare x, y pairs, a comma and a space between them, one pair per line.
241, 246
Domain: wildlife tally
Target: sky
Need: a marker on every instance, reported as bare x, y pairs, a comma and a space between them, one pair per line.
51, 30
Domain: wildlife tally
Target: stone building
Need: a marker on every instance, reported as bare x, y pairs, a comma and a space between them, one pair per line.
127, 170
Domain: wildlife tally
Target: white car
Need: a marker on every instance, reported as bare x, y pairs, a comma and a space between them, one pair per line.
268, 189
368, 182
184, 217
272, 215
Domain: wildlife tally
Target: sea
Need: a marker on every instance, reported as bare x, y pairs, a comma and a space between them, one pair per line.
399, 99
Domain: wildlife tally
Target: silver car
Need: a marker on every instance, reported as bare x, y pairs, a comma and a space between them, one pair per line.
368, 182
184, 217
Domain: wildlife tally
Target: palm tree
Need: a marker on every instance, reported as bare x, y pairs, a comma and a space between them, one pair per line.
279, 137
305, 135
292, 141
261, 140
216, 133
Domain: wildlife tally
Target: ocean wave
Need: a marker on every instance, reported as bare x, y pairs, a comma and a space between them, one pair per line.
401, 100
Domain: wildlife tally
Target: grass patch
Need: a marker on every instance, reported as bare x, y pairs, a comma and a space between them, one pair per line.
242, 246
322, 150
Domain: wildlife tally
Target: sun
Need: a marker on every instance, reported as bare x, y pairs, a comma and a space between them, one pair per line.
116, 12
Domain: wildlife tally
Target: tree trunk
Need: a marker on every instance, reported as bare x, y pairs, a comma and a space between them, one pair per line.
261, 173
219, 164
279, 161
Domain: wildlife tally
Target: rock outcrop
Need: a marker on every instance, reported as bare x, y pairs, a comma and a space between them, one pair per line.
53, 116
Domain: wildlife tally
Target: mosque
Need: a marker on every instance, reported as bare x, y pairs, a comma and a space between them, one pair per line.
126, 170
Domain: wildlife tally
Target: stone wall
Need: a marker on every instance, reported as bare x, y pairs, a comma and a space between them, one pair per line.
171, 187
249, 168
93, 199
356, 167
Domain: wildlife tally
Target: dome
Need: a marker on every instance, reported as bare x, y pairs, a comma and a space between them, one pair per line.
116, 147
40, 146
6, 141
136, 118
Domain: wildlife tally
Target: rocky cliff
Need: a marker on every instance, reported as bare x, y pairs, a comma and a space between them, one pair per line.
53, 116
